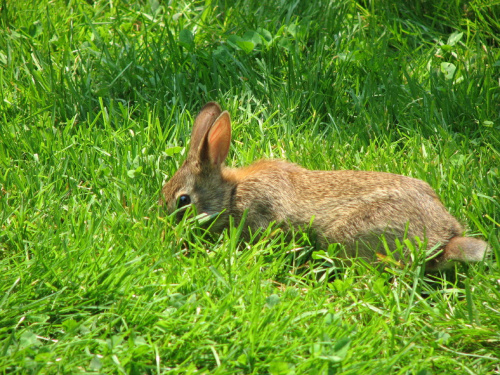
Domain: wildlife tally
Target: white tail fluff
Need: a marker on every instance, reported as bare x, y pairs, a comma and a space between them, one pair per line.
459, 249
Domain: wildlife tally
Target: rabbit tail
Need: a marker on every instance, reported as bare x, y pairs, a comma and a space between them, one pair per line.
459, 249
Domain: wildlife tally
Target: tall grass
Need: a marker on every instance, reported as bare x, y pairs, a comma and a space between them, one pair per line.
97, 103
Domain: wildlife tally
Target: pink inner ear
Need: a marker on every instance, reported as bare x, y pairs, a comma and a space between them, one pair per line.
219, 139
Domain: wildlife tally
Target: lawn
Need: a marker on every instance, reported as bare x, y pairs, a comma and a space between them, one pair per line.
97, 104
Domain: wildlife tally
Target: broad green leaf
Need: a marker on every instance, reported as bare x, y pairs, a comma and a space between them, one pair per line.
95, 363
246, 46
448, 69
28, 339
171, 151
272, 300
252, 36
280, 368
240, 43
454, 38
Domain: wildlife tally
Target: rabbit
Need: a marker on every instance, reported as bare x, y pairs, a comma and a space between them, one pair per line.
353, 208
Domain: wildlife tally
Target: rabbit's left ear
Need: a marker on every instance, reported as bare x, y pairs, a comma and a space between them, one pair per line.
217, 142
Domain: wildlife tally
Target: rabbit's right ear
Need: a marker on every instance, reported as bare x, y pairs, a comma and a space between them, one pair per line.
216, 147
205, 119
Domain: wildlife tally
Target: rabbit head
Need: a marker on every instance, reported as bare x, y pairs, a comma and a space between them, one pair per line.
199, 182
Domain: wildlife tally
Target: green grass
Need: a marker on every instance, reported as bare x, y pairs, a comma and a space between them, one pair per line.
97, 103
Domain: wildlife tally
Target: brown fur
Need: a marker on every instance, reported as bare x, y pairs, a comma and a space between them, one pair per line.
354, 208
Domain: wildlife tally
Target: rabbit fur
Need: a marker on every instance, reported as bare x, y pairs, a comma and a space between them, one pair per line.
353, 208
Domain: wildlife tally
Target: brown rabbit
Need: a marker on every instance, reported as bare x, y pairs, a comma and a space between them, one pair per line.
354, 208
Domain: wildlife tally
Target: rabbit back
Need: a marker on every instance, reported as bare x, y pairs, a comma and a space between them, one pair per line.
354, 208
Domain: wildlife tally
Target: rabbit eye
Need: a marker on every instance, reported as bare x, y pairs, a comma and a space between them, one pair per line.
184, 200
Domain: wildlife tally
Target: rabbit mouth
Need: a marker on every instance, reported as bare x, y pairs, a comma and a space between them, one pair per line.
189, 214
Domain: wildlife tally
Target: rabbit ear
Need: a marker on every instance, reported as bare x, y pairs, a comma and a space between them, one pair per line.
202, 124
216, 146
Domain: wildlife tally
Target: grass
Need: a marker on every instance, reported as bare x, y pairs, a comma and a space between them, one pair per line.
98, 100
